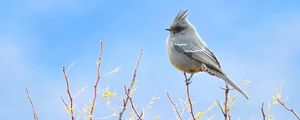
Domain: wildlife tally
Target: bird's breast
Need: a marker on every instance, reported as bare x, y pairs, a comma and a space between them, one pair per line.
181, 61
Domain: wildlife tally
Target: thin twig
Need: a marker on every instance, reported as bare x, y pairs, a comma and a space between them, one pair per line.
132, 105
174, 105
225, 110
221, 108
65, 103
125, 100
97, 81
35, 115
69, 94
262, 111
187, 83
289, 109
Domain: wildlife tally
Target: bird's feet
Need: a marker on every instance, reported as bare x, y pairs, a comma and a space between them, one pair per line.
188, 81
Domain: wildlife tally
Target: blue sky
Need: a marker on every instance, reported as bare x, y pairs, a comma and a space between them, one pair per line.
254, 40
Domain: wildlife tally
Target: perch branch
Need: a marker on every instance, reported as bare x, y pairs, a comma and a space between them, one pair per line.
97, 81
187, 83
35, 115
128, 90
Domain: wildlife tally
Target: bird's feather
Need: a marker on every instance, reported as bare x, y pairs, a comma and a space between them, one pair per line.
187, 43
181, 15
203, 55
215, 72
196, 50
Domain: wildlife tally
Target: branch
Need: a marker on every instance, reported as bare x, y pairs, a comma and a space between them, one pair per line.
97, 81
35, 115
289, 109
221, 108
125, 100
225, 110
187, 83
65, 103
69, 94
262, 111
132, 105
174, 105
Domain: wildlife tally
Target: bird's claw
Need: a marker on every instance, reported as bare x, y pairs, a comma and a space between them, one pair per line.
188, 81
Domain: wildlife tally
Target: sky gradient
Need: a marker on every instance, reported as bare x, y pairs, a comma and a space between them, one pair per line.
253, 40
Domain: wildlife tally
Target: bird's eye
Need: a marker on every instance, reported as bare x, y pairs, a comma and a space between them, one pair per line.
178, 28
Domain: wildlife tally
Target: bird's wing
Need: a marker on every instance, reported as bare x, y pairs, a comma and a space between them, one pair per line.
198, 51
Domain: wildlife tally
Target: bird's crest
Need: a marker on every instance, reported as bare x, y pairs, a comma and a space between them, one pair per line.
180, 20
181, 15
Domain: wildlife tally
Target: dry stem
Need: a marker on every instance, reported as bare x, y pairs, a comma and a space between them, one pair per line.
65, 103
289, 109
189, 99
128, 90
132, 105
225, 110
96, 83
187, 83
35, 115
69, 94
174, 105
263, 112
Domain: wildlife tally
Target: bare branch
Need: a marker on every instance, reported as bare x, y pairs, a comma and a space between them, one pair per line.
125, 100
35, 115
187, 83
289, 109
221, 108
262, 111
65, 103
132, 105
97, 81
69, 94
174, 106
225, 110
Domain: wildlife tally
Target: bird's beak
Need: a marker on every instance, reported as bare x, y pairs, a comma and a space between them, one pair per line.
168, 29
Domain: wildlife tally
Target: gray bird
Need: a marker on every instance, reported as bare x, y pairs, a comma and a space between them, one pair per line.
188, 52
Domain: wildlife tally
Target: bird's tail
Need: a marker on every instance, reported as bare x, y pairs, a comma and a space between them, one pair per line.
227, 80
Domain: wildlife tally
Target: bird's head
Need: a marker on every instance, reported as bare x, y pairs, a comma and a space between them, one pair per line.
180, 23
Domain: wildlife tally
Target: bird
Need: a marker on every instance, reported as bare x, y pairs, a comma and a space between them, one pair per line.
189, 53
